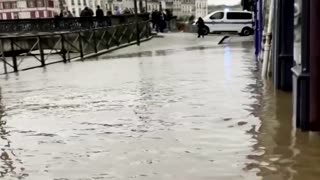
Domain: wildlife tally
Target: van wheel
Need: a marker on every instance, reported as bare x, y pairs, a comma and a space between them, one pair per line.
246, 31
206, 30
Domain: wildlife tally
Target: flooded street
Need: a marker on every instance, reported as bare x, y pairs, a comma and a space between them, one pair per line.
192, 110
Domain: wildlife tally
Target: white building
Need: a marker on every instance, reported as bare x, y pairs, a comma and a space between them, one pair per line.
187, 8
22, 9
76, 6
201, 8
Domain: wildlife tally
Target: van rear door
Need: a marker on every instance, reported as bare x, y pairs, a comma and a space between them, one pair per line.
236, 21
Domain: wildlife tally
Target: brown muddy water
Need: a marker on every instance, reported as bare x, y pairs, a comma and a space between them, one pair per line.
190, 110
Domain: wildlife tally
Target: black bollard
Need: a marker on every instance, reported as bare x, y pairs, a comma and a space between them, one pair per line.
314, 65
285, 42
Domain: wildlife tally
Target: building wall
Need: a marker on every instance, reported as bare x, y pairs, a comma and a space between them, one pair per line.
21, 9
201, 8
18, 9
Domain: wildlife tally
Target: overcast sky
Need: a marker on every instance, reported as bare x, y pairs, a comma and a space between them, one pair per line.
227, 2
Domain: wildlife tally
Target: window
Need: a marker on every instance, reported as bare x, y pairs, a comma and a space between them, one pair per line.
40, 3
33, 14
218, 15
6, 5
239, 15
72, 2
79, 2
9, 15
15, 15
74, 11
50, 14
14, 5
31, 4
51, 4
41, 14
84, 2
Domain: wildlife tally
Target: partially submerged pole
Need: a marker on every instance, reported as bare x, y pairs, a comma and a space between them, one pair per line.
267, 45
137, 23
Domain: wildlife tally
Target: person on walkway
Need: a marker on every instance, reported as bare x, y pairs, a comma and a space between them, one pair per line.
117, 12
161, 22
90, 12
154, 19
69, 14
99, 12
201, 26
108, 18
100, 16
86, 13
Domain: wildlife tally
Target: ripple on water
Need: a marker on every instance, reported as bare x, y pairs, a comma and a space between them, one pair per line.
144, 116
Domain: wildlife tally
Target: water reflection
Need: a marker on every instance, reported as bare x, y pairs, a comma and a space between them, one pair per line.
283, 153
149, 114
10, 165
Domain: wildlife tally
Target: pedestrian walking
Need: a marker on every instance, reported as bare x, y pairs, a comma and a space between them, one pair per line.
86, 13
108, 18
154, 19
100, 16
99, 12
69, 14
201, 26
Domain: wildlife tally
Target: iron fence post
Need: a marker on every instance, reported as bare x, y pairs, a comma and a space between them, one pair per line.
95, 41
80, 45
41, 52
3, 57
14, 57
63, 49
137, 24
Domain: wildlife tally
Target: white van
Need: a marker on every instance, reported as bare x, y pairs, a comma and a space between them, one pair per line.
230, 21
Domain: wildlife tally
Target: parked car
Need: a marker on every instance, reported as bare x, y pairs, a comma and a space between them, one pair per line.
230, 21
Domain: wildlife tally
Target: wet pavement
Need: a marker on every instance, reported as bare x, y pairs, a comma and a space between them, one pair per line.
191, 110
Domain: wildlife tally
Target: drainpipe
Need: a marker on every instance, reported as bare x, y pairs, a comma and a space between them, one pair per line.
267, 45
256, 27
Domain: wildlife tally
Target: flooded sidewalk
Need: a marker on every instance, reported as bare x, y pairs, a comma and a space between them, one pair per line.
175, 108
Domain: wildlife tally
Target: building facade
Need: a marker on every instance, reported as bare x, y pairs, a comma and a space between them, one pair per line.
22, 9
76, 6
201, 8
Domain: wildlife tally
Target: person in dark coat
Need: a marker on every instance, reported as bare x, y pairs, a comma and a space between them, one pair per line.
86, 13
100, 16
108, 18
154, 19
99, 12
201, 26
162, 23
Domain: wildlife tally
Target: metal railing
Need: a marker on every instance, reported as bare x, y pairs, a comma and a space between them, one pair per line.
65, 24
31, 51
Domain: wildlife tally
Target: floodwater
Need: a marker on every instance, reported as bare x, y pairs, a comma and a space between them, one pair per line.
189, 111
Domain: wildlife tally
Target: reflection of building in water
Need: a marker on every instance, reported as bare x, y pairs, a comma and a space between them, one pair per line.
281, 151
10, 165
